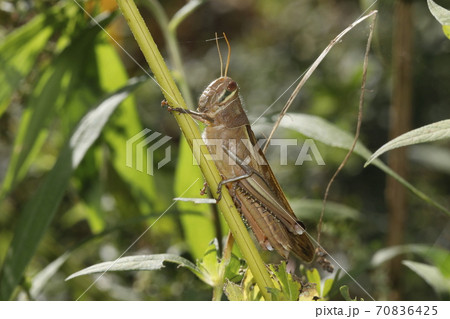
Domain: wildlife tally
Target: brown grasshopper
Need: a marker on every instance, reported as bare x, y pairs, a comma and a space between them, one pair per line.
245, 170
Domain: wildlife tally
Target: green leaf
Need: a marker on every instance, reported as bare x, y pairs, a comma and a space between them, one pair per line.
209, 264
309, 293
346, 293
40, 209
437, 256
277, 294
323, 131
289, 288
63, 83
446, 30
327, 133
431, 275
143, 262
41, 279
233, 291
432, 157
314, 277
124, 124
251, 291
327, 287
20, 49
215, 272
330, 286
248, 290
428, 133
183, 13
92, 206
198, 227
311, 208
441, 14
233, 271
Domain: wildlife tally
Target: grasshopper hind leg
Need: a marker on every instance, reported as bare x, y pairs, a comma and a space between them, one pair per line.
227, 181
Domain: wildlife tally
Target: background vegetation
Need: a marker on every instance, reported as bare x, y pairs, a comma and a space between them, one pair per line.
69, 201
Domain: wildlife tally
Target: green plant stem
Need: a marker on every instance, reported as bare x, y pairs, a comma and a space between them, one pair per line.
183, 13
217, 292
226, 258
173, 48
190, 131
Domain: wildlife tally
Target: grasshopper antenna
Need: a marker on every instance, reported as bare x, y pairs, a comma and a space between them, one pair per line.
220, 56
229, 54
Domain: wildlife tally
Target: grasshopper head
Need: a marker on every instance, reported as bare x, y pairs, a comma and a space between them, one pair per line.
219, 95
220, 101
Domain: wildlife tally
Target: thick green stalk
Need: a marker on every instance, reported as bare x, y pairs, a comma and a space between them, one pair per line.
190, 131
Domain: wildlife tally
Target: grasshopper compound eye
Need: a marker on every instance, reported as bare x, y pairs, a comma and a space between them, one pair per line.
232, 86
228, 92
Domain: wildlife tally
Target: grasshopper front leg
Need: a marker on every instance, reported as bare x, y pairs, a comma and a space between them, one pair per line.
202, 117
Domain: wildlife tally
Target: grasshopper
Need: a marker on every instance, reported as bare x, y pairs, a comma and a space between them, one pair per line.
245, 170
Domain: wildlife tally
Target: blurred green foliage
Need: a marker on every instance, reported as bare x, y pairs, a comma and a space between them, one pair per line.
57, 65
